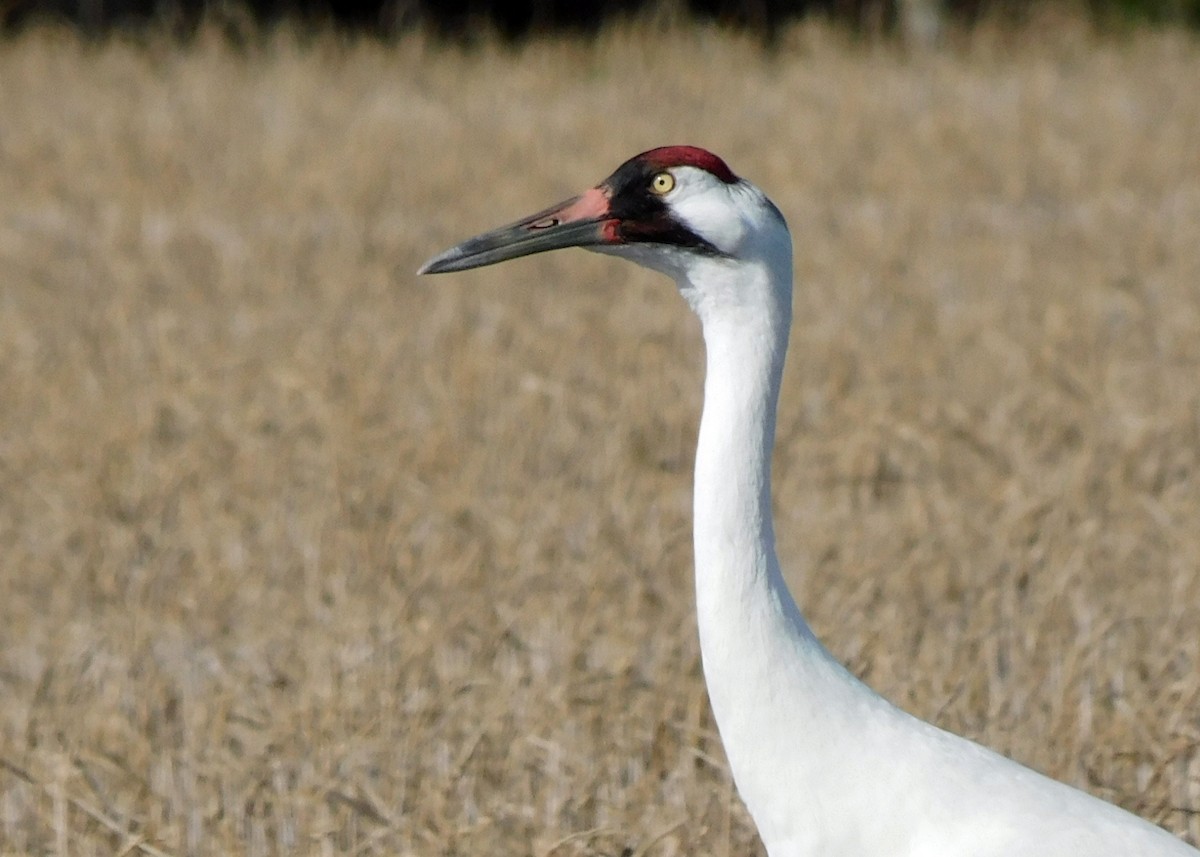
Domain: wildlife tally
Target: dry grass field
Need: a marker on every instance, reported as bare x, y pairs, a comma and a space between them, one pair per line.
300, 553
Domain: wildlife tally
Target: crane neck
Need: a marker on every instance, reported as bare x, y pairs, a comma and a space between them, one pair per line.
770, 682
746, 322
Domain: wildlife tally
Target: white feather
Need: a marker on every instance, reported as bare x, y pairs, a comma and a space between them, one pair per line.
826, 766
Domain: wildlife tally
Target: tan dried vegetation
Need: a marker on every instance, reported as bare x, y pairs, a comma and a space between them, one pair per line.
304, 554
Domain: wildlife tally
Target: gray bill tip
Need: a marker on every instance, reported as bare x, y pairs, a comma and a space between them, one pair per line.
441, 263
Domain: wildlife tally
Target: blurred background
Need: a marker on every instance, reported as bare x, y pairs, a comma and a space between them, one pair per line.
514, 19
303, 554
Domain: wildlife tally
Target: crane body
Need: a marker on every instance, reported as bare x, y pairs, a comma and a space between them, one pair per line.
826, 766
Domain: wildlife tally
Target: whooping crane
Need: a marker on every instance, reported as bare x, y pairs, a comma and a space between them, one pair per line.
826, 766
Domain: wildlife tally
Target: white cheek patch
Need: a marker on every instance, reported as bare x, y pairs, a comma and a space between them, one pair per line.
702, 203
713, 221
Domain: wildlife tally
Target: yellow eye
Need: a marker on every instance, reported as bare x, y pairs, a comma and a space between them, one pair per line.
662, 183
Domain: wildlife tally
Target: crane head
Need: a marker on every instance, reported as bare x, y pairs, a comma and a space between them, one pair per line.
664, 209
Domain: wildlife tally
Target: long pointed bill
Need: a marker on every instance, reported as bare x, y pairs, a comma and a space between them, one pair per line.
584, 221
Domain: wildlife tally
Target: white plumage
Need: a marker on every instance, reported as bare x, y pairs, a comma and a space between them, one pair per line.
826, 766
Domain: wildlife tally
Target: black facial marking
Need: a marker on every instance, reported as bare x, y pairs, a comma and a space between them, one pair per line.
643, 216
